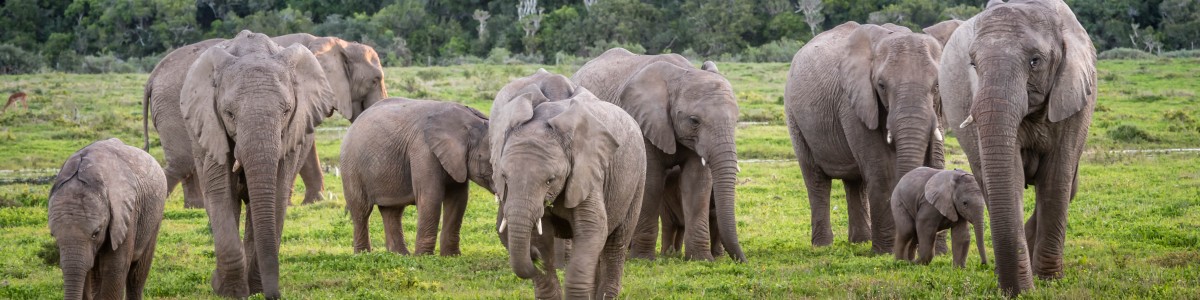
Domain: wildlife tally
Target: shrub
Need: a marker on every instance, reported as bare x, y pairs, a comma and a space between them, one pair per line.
498, 55
1129, 134
599, 47
14, 60
1182, 54
777, 51
49, 253
1125, 53
529, 58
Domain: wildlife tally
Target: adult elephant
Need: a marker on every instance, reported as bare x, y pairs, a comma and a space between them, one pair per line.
859, 102
250, 107
1020, 78
688, 117
353, 71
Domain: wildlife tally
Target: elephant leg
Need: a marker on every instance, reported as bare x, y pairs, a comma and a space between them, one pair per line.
393, 228
193, 192
905, 234
856, 207
455, 207
563, 255
939, 243
962, 242
429, 210
253, 274
360, 215
672, 235
314, 181
1054, 186
113, 270
926, 231
589, 238
135, 283
714, 234
91, 285
695, 182
224, 210
545, 285
818, 186
613, 257
882, 227
646, 233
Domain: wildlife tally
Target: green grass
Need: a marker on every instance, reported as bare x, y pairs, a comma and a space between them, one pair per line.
1134, 228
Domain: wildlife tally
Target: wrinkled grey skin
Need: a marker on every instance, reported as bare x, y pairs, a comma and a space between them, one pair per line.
688, 117
571, 169
404, 152
105, 208
353, 71
859, 103
673, 222
926, 201
250, 109
1024, 72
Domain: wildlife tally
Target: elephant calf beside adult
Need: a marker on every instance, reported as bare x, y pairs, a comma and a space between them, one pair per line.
250, 108
860, 107
1018, 82
353, 71
405, 152
688, 117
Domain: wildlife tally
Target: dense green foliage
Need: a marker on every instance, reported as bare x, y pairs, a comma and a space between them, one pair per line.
1134, 228
78, 35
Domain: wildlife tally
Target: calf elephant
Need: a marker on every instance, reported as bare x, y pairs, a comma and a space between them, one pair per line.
353, 71
926, 201
1019, 87
414, 152
688, 117
105, 208
578, 166
859, 102
250, 109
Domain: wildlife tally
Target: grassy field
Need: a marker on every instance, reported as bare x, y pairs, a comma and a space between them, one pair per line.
1134, 229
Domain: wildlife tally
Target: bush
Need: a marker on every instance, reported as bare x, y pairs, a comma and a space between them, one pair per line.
598, 47
531, 58
498, 56
1125, 53
1129, 134
777, 51
14, 60
49, 253
1182, 54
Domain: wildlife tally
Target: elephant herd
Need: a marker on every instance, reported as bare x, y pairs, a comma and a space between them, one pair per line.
584, 168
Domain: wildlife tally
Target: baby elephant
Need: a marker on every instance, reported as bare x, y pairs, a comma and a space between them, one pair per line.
403, 152
105, 208
926, 201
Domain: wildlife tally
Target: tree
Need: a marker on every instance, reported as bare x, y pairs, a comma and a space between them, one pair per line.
812, 14
481, 16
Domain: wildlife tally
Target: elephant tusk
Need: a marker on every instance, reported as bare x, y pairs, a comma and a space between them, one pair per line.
937, 133
237, 165
503, 222
539, 226
702, 162
889, 137
337, 172
739, 168
964, 124
497, 199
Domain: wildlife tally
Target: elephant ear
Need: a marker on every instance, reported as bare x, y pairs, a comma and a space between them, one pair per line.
992, 3
942, 31
198, 103
446, 132
710, 66
646, 97
515, 112
331, 54
858, 75
1077, 72
590, 146
557, 87
120, 204
939, 191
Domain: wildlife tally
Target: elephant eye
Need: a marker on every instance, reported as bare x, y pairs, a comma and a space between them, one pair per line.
95, 233
694, 119
881, 85
1033, 63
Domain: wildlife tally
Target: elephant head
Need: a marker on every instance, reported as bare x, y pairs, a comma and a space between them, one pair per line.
556, 154
542, 86
354, 74
693, 108
456, 135
88, 213
890, 74
1030, 62
956, 194
256, 110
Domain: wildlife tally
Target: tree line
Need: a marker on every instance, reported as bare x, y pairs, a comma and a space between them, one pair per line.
130, 35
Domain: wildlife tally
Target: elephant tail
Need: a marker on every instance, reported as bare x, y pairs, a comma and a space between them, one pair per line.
146, 117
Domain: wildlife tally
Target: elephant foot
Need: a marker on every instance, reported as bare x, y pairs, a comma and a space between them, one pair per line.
718, 251
311, 197
881, 249
226, 286
705, 255
189, 203
647, 255
547, 287
1049, 272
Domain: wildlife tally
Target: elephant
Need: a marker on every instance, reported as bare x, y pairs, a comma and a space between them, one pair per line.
1018, 82
859, 102
927, 201
673, 222
688, 117
106, 205
250, 110
405, 152
353, 71
578, 165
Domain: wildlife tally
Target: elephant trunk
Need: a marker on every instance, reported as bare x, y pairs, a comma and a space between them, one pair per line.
998, 110
724, 168
520, 220
912, 127
259, 153
978, 224
75, 264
